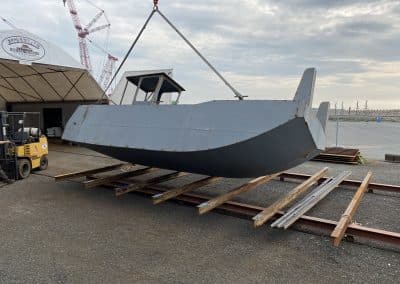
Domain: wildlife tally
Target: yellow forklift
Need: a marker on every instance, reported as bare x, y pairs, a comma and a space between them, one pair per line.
22, 146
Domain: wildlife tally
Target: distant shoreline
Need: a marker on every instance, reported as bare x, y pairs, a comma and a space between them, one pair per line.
392, 115
358, 118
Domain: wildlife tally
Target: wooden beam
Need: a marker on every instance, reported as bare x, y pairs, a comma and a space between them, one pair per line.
108, 179
305, 223
139, 185
88, 172
346, 184
267, 213
347, 217
215, 202
158, 198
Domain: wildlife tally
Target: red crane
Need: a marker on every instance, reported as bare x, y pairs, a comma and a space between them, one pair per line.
108, 68
83, 32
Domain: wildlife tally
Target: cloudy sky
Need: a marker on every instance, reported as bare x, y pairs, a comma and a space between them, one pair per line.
261, 46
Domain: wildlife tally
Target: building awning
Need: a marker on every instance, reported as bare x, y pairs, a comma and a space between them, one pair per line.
33, 70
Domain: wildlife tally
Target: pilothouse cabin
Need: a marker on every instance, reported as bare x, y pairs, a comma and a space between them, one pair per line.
153, 87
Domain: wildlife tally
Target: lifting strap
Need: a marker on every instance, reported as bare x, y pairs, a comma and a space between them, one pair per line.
154, 10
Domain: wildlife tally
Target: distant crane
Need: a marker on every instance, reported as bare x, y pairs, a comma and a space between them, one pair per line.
108, 68
83, 32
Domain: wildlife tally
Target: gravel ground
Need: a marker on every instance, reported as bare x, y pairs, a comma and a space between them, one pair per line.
60, 233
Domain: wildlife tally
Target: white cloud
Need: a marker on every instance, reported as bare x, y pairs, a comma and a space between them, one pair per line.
261, 46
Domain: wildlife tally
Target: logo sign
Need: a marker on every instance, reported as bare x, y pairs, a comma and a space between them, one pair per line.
23, 48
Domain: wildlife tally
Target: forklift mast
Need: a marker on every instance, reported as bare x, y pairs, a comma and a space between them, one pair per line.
8, 157
16, 129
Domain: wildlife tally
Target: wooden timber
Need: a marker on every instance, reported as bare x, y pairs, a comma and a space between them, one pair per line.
267, 213
346, 184
88, 172
309, 201
108, 179
215, 202
138, 185
347, 217
248, 211
158, 198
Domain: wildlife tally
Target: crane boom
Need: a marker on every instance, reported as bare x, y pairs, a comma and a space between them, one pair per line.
95, 19
108, 71
83, 49
99, 28
83, 33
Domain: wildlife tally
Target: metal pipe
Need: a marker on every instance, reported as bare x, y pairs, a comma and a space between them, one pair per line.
347, 182
304, 223
123, 94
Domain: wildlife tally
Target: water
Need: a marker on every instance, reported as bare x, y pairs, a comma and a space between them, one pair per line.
372, 138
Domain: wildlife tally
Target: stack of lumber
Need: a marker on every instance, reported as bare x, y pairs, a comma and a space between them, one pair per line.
392, 158
340, 155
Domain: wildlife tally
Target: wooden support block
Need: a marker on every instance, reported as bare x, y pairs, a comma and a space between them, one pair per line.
347, 217
269, 212
105, 180
87, 172
158, 198
140, 185
215, 202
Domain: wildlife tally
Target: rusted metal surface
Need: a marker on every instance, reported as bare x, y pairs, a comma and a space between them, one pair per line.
247, 211
345, 183
339, 155
88, 172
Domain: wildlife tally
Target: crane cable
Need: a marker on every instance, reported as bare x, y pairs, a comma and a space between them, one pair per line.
128, 53
154, 10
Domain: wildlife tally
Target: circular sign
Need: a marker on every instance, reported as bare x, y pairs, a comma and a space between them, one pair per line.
23, 48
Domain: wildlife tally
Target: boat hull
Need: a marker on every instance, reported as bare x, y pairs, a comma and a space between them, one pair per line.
237, 139
239, 160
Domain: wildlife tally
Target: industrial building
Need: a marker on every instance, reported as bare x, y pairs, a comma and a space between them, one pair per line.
38, 76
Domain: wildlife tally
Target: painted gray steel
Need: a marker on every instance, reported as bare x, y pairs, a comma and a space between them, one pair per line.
309, 201
218, 138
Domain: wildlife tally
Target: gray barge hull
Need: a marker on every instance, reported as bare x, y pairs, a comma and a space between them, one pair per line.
242, 159
235, 139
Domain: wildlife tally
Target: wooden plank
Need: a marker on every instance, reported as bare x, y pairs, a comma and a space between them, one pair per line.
306, 223
344, 184
158, 198
347, 217
309, 201
335, 161
139, 185
108, 179
88, 172
267, 213
215, 202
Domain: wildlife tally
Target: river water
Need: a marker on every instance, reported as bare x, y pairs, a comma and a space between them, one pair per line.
372, 138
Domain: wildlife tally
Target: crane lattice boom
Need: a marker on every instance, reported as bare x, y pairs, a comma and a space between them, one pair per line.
83, 32
108, 70
83, 49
